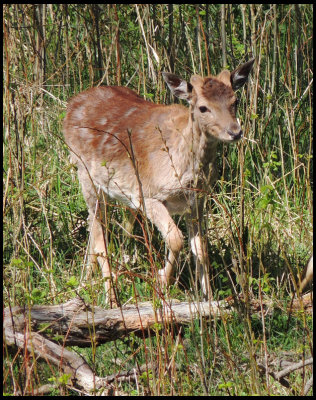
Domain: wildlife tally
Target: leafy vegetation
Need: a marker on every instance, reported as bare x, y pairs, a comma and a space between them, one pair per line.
258, 217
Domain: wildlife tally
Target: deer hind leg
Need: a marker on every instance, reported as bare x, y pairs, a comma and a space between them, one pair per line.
199, 248
98, 244
98, 252
159, 216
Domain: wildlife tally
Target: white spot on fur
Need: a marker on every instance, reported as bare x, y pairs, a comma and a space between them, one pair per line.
130, 111
103, 121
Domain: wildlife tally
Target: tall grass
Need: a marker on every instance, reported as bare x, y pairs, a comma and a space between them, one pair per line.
258, 217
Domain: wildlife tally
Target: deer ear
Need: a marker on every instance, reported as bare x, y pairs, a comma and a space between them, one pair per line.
240, 75
179, 87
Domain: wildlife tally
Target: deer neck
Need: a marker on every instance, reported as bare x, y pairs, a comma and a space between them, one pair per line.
196, 153
203, 146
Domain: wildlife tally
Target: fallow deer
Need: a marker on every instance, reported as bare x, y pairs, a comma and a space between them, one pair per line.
153, 157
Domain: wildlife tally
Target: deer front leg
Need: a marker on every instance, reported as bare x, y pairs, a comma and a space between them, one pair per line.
159, 216
198, 247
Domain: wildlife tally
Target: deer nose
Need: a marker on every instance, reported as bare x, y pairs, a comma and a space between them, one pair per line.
235, 135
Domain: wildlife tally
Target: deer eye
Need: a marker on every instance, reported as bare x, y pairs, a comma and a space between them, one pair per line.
203, 109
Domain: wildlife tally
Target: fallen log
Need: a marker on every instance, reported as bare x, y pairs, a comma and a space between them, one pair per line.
46, 330
77, 324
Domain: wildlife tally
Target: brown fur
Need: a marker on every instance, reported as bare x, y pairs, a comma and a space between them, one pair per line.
215, 90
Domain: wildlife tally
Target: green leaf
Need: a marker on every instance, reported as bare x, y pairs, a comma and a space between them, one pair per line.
37, 294
72, 282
